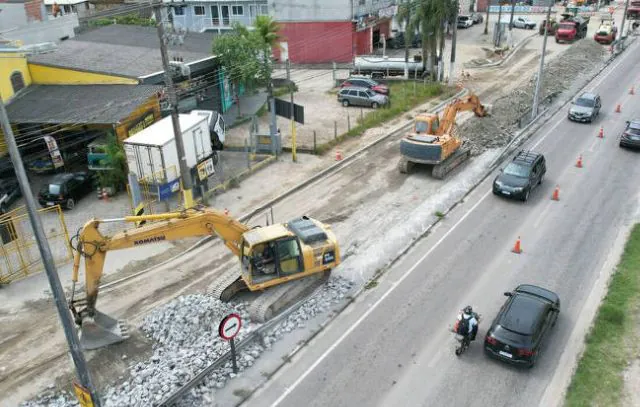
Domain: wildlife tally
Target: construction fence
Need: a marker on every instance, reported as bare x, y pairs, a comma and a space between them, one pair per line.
18, 247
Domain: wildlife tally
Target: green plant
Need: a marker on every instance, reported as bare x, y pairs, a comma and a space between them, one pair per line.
129, 19
439, 214
116, 177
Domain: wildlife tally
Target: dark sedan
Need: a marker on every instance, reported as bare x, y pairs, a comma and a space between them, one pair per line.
518, 332
66, 189
631, 135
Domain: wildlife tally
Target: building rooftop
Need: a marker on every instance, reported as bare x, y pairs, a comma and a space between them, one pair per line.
133, 35
124, 50
78, 104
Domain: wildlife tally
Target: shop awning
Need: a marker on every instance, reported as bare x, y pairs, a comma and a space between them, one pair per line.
78, 104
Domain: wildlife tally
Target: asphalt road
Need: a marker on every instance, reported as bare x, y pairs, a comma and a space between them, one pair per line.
392, 347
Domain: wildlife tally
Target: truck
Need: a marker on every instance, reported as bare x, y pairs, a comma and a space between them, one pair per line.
633, 10
152, 154
571, 28
382, 67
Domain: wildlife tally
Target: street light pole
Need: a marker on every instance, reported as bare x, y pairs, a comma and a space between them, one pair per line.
624, 19
47, 259
499, 35
452, 66
185, 172
513, 7
536, 95
486, 23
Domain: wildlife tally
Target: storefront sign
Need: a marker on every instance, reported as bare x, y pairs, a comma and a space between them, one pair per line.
388, 12
56, 157
145, 121
206, 169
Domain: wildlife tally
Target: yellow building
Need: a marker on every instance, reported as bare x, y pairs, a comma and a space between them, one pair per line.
14, 73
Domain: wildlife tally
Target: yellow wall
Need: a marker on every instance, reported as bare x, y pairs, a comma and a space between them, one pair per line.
9, 63
152, 105
47, 75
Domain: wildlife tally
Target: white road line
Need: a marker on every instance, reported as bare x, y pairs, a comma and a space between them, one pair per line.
593, 145
393, 286
543, 214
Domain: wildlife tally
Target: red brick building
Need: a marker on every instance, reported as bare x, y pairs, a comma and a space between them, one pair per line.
334, 31
34, 9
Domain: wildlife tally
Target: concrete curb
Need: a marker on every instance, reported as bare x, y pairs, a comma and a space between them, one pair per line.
525, 134
509, 55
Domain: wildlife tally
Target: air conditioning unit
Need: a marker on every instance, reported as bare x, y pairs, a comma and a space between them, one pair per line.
180, 68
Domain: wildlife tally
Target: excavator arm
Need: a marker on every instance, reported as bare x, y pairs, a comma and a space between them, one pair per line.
93, 246
469, 102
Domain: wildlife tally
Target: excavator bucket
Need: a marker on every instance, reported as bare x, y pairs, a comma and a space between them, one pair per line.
101, 330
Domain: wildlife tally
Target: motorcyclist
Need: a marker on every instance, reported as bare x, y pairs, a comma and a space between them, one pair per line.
471, 321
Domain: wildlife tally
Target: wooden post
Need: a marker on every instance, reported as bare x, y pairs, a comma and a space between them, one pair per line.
314, 142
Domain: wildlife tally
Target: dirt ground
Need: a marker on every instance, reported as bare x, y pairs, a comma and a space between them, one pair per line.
360, 201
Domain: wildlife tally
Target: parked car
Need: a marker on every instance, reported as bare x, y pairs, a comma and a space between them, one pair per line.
606, 34
9, 193
517, 333
66, 189
585, 108
465, 21
631, 135
525, 172
397, 41
524, 22
356, 96
366, 83
477, 18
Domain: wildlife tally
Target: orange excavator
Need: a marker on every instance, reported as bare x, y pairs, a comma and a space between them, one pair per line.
434, 141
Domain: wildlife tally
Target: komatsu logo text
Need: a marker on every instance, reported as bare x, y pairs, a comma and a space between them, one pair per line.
152, 239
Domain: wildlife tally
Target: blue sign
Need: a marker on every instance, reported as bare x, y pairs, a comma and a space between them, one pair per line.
166, 190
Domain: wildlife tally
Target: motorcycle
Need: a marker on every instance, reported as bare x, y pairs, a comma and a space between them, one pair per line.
463, 340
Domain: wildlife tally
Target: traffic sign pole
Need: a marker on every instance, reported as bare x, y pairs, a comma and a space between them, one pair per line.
228, 329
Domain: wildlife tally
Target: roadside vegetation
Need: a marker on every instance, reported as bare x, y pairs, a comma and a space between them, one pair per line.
404, 96
129, 19
611, 344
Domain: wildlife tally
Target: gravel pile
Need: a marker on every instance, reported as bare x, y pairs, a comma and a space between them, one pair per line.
565, 73
186, 341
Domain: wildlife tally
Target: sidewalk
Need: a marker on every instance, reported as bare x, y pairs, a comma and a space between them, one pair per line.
250, 103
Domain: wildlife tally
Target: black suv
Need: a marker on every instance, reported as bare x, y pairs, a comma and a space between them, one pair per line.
66, 189
631, 135
517, 333
524, 173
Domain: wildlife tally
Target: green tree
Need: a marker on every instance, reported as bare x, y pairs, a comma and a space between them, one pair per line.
116, 175
268, 31
240, 53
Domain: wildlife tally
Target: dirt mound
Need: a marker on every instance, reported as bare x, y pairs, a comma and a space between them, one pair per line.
566, 73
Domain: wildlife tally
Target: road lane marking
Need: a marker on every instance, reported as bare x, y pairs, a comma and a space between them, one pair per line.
393, 285
543, 214
593, 144
378, 302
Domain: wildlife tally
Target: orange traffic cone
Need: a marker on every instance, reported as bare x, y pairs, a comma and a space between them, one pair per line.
516, 248
579, 162
338, 155
632, 91
556, 194
618, 108
601, 132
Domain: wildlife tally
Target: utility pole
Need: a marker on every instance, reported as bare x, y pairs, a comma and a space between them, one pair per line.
185, 172
624, 19
536, 95
486, 22
513, 7
293, 122
498, 36
452, 66
47, 259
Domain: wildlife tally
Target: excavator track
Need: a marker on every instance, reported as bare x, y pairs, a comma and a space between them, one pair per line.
227, 286
441, 170
405, 166
275, 299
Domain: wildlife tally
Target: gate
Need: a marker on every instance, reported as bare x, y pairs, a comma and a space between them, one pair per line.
18, 248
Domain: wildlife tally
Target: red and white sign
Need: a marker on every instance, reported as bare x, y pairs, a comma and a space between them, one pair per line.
230, 326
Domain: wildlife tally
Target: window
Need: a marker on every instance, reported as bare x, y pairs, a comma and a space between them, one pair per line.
198, 10
237, 10
178, 11
17, 81
517, 170
264, 10
361, 2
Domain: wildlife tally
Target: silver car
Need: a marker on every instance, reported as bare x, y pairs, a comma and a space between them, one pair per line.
357, 96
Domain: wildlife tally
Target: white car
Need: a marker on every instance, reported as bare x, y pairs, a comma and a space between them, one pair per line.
524, 22
465, 21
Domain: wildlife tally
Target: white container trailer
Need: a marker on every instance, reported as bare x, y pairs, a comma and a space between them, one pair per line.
152, 154
382, 67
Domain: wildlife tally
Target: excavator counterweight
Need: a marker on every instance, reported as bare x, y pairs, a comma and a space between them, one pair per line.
434, 140
283, 262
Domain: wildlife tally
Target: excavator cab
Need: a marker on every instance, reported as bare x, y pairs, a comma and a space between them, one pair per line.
426, 124
271, 260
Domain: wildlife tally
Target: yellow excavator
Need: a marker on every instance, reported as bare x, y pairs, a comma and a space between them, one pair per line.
286, 261
433, 140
